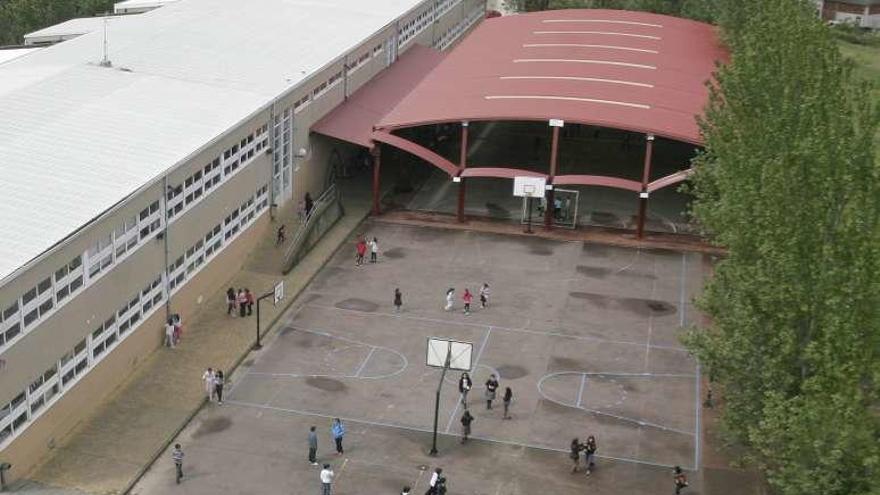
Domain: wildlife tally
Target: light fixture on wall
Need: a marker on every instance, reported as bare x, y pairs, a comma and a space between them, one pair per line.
300, 155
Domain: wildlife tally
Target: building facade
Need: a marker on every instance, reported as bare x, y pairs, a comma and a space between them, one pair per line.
862, 13
77, 319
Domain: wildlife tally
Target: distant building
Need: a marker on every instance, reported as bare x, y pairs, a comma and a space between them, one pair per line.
863, 13
67, 30
139, 6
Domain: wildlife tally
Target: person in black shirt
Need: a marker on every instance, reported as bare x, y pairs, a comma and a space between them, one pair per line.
491, 387
466, 420
590, 454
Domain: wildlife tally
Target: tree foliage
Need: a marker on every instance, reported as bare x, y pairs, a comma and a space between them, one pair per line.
790, 184
19, 17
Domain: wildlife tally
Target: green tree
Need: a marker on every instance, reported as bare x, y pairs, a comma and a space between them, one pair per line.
789, 183
19, 17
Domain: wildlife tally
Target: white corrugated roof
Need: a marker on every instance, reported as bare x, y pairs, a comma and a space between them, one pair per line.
71, 27
77, 138
12, 53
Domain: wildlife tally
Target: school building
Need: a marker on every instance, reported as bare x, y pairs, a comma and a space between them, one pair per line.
140, 165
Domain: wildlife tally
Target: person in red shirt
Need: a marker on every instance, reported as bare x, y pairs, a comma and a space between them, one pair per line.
361, 251
249, 298
468, 298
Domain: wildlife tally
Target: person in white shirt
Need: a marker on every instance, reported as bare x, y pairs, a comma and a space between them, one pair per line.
208, 379
484, 295
374, 250
326, 479
432, 484
169, 334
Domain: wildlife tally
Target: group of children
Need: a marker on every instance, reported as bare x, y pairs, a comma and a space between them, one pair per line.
243, 301
173, 330
214, 381
588, 448
464, 386
361, 250
467, 298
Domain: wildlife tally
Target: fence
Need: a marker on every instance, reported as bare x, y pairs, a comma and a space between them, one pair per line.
326, 211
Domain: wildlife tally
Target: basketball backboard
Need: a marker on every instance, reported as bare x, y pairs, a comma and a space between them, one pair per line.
459, 353
529, 187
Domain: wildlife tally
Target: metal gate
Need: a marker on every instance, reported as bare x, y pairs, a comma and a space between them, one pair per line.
565, 208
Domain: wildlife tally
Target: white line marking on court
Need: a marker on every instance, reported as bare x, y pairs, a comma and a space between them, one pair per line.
639, 422
428, 430
473, 367
418, 478
361, 368
681, 306
339, 475
581, 389
651, 317
508, 329
697, 435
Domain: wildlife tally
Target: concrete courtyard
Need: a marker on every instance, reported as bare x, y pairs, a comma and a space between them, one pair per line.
585, 335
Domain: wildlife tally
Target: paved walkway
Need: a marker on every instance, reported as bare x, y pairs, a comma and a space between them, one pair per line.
110, 450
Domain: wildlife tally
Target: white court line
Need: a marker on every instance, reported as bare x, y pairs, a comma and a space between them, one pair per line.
567, 98
428, 430
584, 61
584, 45
474, 367
583, 79
697, 381
604, 21
610, 33
496, 327
651, 317
415, 482
361, 368
581, 389
681, 295
601, 413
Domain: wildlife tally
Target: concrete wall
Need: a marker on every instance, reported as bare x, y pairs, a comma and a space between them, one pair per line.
50, 429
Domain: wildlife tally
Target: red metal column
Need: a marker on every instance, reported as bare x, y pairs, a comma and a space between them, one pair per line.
462, 164
554, 147
646, 175
377, 161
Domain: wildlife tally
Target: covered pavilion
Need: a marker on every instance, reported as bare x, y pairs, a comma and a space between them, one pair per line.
633, 71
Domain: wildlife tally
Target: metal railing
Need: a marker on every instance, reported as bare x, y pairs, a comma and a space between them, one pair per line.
326, 211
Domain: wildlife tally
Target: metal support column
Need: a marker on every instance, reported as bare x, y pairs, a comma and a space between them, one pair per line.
646, 176
549, 210
377, 162
462, 164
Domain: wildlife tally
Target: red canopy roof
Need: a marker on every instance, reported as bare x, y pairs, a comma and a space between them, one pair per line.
353, 121
628, 70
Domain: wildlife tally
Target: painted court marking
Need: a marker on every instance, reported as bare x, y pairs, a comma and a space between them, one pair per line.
428, 430
401, 369
475, 365
626, 419
496, 327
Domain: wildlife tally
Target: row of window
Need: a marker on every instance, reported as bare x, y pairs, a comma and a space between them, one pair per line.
40, 301
417, 24
200, 253
18, 413
454, 32
182, 196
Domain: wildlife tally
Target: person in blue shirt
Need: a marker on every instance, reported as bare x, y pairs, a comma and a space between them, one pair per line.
337, 430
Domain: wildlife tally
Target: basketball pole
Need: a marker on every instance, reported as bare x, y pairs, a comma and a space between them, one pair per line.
437, 398
529, 217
